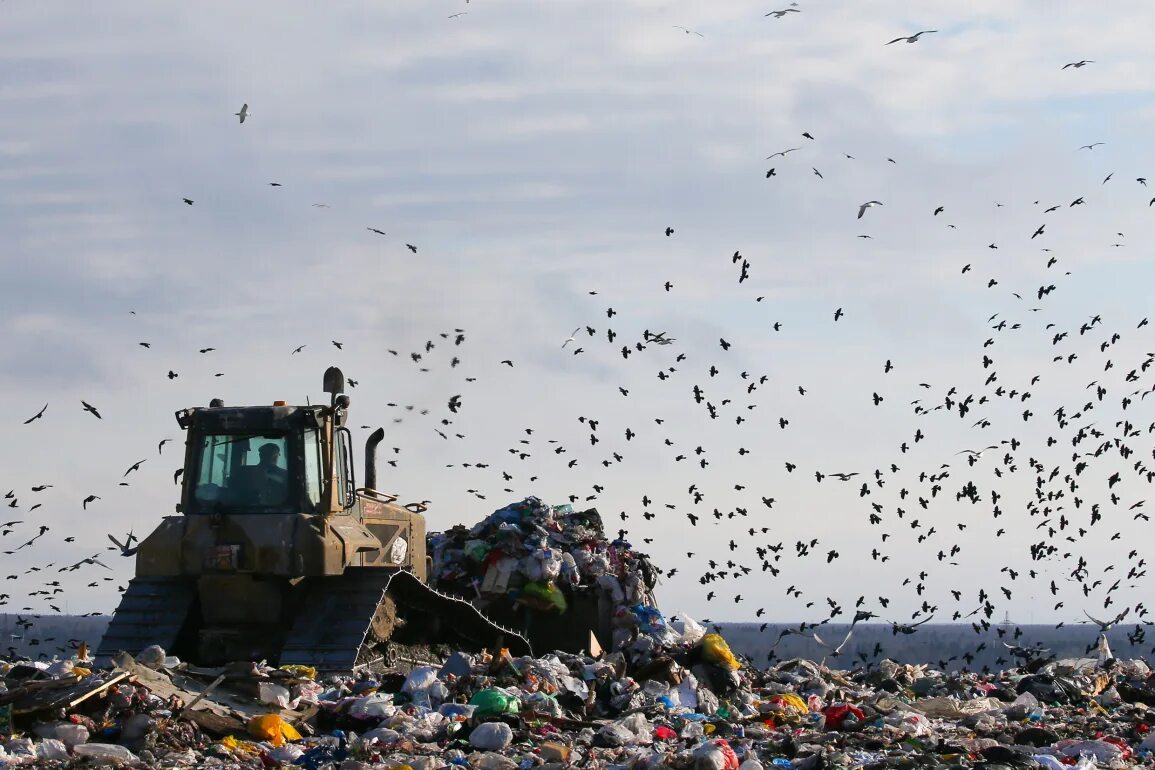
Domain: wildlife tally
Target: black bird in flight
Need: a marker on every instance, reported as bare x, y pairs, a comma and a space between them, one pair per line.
36, 416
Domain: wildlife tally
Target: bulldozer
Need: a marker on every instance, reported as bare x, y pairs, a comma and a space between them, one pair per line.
275, 554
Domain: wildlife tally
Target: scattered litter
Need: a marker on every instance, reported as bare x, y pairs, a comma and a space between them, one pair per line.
659, 693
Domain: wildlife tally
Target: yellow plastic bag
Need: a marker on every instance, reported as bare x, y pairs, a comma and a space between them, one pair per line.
792, 701
715, 650
271, 728
303, 672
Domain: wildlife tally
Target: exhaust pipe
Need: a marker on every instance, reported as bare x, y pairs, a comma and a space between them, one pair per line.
375, 438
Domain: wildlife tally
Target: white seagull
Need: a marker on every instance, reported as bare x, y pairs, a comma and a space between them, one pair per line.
572, 337
862, 209
244, 113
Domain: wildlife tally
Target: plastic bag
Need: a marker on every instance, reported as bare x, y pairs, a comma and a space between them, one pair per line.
304, 672
715, 755
418, 684
271, 728
616, 734
715, 650
105, 753
51, 749
546, 592
374, 706
71, 734
842, 715
691, 631
491, 736
493, 702
274, 694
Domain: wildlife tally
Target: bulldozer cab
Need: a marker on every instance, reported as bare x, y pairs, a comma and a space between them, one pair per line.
267, 459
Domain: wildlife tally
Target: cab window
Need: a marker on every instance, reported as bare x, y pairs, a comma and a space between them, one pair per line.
246, 470
313, 466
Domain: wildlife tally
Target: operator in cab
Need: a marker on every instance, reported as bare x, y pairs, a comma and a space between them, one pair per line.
272, 478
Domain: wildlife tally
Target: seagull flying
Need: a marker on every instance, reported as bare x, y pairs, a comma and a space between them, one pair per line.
1078, 64
244, 113
862, 209
571, 337
913, 38
689, 31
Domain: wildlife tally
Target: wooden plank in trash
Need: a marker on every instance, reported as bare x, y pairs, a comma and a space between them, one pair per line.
67, 697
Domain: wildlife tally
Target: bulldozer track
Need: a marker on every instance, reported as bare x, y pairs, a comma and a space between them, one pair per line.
152, 611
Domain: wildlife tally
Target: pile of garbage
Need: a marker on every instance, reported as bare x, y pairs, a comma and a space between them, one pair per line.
672, 696
553, 561
662, 692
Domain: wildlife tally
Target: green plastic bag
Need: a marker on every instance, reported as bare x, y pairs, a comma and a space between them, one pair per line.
493, 703
546, 592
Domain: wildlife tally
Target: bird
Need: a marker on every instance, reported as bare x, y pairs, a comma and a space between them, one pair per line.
91, 409
835, 651
160, 446
411, 247
689, 31
783, 12
244, 113
188, 201
298, 349
134, 467
455, 15
783, 153
669, 231
125, 547
869, 204
338, 345
36, 416
838, 314
87, 500
375, 230
913, 38
1078, 64
572, 337
1090, 146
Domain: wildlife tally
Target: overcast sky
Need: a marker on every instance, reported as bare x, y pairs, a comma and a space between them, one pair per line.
534, 153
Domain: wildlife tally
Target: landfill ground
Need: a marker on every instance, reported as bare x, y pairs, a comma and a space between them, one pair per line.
672, 697
648, 691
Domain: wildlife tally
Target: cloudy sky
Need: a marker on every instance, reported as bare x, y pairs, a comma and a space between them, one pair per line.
534, 154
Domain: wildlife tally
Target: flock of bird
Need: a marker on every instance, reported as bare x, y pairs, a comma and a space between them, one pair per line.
902, 499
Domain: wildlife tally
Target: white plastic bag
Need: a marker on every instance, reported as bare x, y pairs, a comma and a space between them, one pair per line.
491, 736
378, 704
71, 734
690, 630
105, 753
275, 694
51, 749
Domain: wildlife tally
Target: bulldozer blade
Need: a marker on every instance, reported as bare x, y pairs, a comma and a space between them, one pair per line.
334, 621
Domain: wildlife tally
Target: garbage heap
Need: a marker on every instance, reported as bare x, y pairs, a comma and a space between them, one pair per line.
551, 571
678, 700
